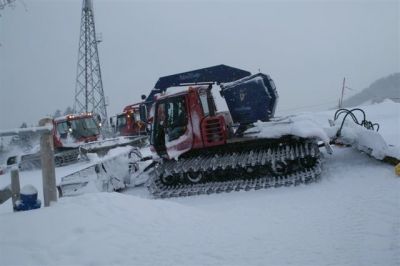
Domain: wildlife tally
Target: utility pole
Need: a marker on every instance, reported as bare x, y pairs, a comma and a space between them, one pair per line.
89, 94
342, 94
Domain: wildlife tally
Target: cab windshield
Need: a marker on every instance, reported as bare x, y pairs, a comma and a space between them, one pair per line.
81, 128
121, 121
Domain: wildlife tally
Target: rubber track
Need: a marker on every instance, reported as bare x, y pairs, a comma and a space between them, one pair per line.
159, 190
245, 159
32, 161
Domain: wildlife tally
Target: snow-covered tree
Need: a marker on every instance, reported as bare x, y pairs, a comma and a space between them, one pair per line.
57, 113
68, 111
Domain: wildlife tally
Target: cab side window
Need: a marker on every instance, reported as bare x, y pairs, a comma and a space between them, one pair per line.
176, 118
159, 132
204, 103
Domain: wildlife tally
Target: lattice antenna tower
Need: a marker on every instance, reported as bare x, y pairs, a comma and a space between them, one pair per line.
89, 93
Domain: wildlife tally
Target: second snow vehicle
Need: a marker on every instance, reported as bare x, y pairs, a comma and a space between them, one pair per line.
128, 122
203, 151
69, 133
74, 135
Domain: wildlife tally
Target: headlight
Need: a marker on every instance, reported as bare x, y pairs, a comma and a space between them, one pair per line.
70, 130
99, 124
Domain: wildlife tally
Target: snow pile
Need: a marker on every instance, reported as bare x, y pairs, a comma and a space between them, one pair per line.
368, 141
28, 190
387, 114
301, 126
385, 142
107, 173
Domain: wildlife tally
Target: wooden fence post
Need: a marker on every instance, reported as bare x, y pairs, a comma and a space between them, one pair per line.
48, 166
15, 186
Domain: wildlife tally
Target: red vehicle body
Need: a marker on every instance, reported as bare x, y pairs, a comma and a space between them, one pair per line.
128, 122
70, 132
187, 121
74, 129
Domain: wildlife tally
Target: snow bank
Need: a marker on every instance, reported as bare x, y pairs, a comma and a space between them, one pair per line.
350, 217
101, 229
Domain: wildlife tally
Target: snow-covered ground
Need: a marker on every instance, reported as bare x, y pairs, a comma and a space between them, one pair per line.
350, 217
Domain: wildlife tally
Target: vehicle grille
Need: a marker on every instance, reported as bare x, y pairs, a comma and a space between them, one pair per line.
213, 131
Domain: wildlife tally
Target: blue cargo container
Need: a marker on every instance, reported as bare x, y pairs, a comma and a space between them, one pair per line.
251, 98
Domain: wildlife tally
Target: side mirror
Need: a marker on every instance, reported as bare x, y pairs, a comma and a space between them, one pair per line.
143, 112
12, 160
143, 97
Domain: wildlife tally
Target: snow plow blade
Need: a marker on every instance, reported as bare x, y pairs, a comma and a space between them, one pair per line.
103, 146
113, 172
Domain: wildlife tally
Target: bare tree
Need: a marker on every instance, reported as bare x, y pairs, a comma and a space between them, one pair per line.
68, 111
4, 3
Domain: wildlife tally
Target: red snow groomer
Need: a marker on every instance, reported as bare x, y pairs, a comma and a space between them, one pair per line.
128, 122
203, 151
79, 134
74, 129
74, 136
70, 133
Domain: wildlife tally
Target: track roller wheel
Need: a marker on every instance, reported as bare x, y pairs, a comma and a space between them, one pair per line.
59, 161
167, 180
194, 177
307, 162
280, 168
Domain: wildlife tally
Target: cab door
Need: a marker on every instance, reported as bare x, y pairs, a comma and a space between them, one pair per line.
172, 134
179, 137
157, 139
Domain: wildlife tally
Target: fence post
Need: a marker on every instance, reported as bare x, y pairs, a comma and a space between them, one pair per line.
48, 166
15, 186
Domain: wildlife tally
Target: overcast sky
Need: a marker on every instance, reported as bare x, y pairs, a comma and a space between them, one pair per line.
306, 46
